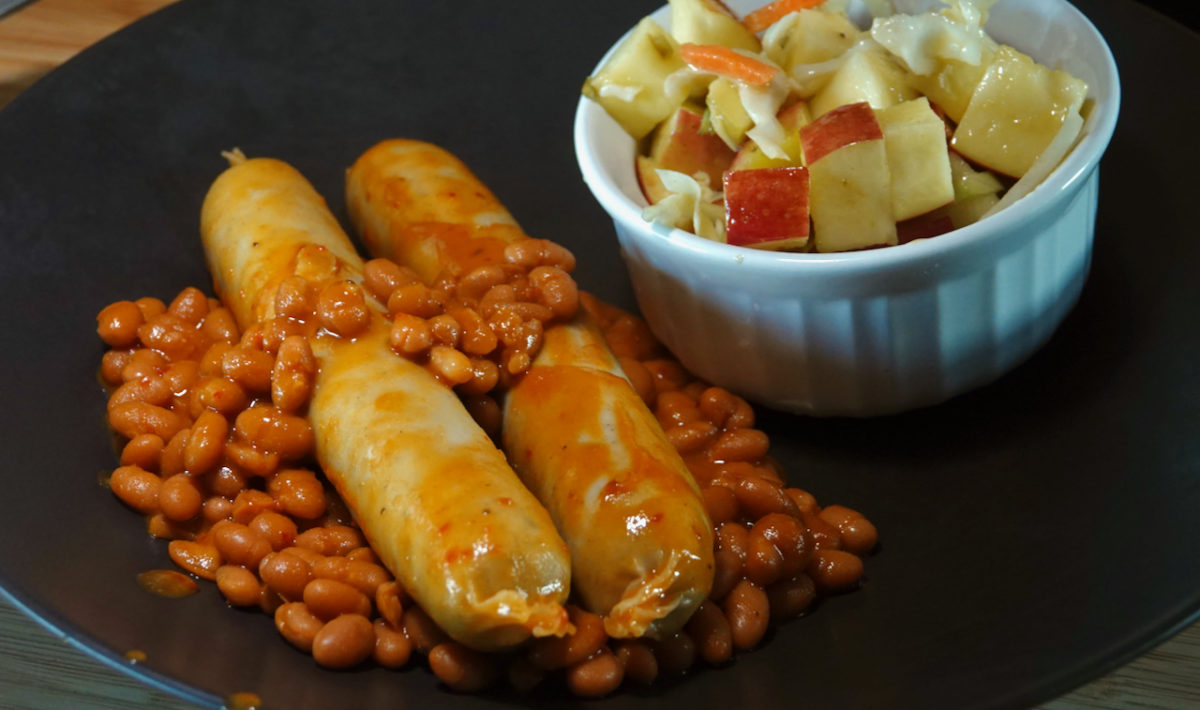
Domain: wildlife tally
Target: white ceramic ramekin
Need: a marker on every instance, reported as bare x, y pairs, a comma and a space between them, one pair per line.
881, 331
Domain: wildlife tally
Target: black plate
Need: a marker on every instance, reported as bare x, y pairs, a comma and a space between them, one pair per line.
1036, 533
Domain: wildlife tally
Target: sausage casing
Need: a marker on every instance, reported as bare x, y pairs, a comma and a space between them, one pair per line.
574, 428
434, 497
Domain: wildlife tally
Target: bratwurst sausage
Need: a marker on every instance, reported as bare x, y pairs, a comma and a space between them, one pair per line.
434, 497
574, 428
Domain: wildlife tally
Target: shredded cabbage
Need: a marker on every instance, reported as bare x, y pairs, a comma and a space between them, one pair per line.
763, 103
618, 91
922, 41
691, 205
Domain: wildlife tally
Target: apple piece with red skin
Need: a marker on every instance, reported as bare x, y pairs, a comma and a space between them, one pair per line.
679, 145
850, 181
652, 186
767, 208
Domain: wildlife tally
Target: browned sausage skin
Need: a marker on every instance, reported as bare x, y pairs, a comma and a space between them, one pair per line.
574, 429
436, 500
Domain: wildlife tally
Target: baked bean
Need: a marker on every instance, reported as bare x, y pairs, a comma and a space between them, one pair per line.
739, 445
332, 567
824, 535
639, 377
343, 538
292, 375
692, 437
758, 496
415, 299
133, 418
450, 365
748, 611
485, 375
150, 307
804, 501
169, 334
597, 676
180, 376
191, 305
675, 654
475, 283
278, 530
210, 361
728, 570
277, 330
790, 596
239, 545
420, 629
298, 493
172, 461
363, 554
638, 660
294, 299
366, 577
286, 574
269, 429
491, 307
389, 601
250, 461
382, 276
552, 652
392, 647
249, 368
410, 335
111, 365
789, 535
668, 375
118, 324
531, 252
342, 309
152, 389
206, 443
218, 394
477, 336
327, 598
709, 628
674, 408
238, 584
446, 330
720, 503
136, 488
228, 482
217, 508
735, 538
858, 534
143, 362
557, 290
219, 327
834, 570
201, 559
144, 450
179, 498
298, 625
268, 601
764, 561
462, 669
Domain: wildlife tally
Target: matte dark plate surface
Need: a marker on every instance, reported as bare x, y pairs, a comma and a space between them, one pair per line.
1036, 533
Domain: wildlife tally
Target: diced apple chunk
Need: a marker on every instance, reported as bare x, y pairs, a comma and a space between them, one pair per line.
680, 145
851, 192
709, 22
870, 75
726, 114
969, 182
630, 84
918, 159
647, 175
809, 37
951, 86
768, 208
1016, 111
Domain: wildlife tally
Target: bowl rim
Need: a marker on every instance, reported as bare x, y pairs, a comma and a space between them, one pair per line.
1067, 177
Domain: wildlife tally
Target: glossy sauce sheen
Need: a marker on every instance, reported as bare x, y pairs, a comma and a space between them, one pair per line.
575, 430
433, 496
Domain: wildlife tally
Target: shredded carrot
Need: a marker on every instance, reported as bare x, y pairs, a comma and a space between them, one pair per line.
767, 15
726, 62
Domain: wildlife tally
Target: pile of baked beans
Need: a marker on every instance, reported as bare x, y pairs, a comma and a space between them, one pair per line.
218, 457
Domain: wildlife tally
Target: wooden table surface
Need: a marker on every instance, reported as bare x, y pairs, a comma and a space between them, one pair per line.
39, 671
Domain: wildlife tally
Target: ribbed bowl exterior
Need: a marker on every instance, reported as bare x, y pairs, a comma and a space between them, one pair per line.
871, 353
